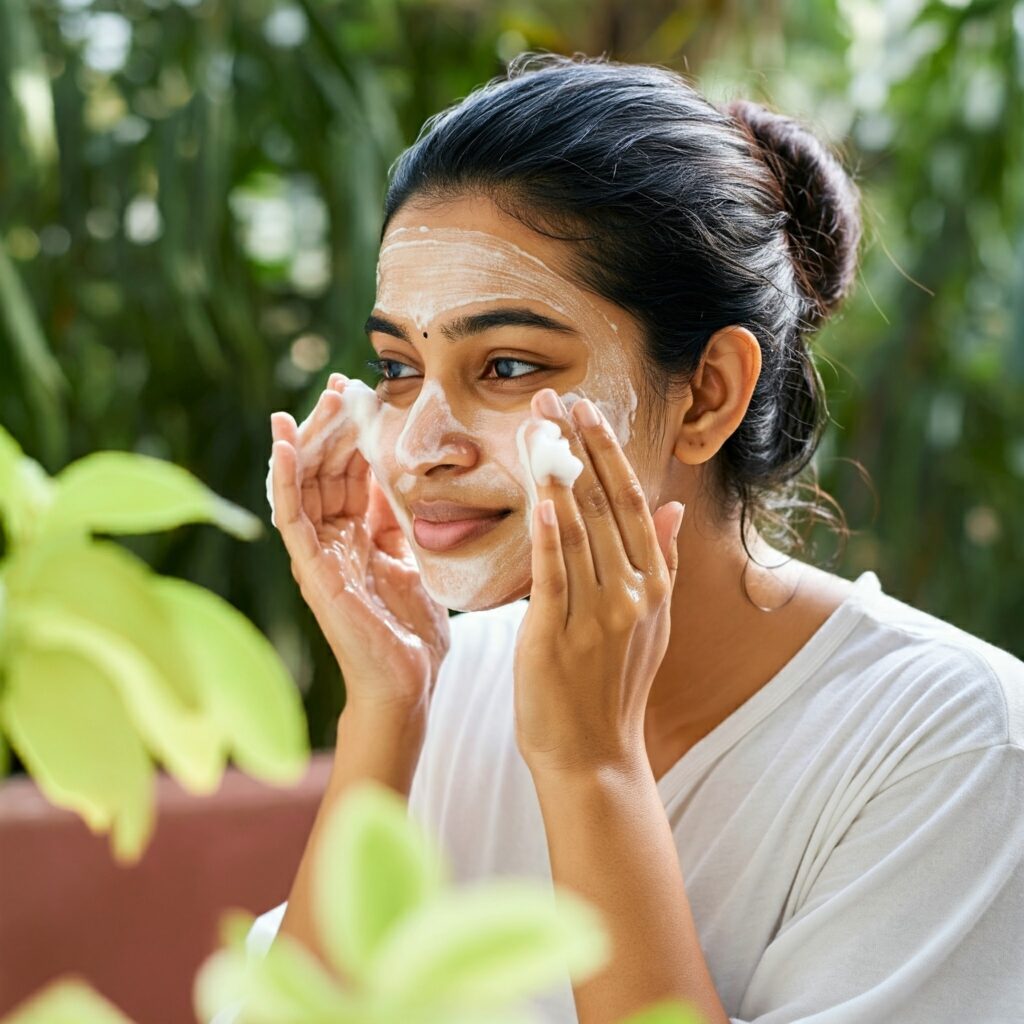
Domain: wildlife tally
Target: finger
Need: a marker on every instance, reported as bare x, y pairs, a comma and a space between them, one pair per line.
283, 428
293, 524
576, 553
549, 591
607, 552
667, 522
629, 507
344, 473
315, 433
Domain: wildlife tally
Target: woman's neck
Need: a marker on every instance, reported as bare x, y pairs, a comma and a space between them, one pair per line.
723, 648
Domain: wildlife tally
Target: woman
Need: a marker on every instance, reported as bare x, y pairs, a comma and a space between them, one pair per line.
792, 796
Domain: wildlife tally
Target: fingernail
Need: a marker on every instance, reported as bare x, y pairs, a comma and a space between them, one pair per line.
587, 413
548, 403
547, 512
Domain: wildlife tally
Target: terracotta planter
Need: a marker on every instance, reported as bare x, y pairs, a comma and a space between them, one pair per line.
139, 934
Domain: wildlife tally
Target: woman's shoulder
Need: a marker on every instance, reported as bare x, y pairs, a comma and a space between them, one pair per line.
973, 684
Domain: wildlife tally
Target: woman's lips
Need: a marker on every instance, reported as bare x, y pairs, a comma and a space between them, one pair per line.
444, 536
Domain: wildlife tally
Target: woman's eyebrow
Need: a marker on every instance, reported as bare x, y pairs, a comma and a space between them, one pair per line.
475, 323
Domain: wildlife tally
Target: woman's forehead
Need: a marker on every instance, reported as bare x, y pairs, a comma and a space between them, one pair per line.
426, 271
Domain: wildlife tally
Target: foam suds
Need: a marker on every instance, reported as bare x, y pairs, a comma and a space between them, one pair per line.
545, 454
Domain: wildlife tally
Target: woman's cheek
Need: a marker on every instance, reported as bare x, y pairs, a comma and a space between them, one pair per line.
389, 475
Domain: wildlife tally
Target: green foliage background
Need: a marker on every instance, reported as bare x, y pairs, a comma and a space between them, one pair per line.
190, 197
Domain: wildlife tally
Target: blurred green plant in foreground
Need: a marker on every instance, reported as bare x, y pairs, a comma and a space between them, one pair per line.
103, 663
416, 950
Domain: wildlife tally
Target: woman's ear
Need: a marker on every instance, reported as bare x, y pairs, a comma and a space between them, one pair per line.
720, 393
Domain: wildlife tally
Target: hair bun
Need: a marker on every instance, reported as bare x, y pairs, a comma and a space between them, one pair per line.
823, 203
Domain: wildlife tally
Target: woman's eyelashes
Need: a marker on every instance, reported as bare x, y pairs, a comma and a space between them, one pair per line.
386, 369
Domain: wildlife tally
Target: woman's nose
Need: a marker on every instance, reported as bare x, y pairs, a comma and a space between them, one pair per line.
432, 435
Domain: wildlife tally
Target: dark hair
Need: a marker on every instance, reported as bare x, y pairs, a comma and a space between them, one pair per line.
690, 217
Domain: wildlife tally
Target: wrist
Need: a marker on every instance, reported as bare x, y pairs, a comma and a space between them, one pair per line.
380, 742
393, 715
627, 770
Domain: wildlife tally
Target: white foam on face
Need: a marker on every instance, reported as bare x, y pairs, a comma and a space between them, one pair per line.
427, 424
544, 454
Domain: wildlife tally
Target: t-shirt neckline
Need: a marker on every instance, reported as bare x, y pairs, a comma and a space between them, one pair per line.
788, 679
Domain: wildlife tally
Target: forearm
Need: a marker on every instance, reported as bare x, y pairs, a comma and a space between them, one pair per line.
609, 841
371, 744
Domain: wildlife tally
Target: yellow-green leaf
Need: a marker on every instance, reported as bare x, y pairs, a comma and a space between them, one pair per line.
5, 750
188, 743
243, 684
10, 453
287, 985
67, 1001
125, 492
70, 727
103, 583
667, 1011
25, 490
374, 867
489, 945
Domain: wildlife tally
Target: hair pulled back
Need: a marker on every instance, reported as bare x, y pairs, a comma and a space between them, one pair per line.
689, 216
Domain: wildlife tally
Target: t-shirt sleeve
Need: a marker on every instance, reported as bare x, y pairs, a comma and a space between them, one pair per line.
917, 914
262, 933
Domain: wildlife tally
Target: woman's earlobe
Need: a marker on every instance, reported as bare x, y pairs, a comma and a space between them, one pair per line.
693, 449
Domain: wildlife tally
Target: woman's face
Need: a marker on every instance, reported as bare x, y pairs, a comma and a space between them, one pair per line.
472, 317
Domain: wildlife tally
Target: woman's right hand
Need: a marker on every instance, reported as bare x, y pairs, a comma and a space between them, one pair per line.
352, 562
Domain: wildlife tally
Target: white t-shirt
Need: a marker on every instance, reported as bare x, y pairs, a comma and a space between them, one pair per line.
851, 838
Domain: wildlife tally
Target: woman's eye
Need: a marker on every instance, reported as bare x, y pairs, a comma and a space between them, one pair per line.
385, 368
504, 369
496, 363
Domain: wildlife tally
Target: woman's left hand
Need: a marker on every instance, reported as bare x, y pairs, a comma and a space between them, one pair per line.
598, 623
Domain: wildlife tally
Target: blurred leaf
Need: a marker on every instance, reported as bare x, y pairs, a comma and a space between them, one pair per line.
124, 492
67, 1001
374, 867
103, 584
287, 985
5, 750
188, 744
44, 380
243, 684
23, 67
666, 1012
483, 947
25, 490
88, 758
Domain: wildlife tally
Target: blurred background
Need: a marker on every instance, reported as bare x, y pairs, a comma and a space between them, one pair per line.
190, 207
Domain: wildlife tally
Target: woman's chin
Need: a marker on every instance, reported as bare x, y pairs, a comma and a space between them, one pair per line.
486, 603
491, 594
